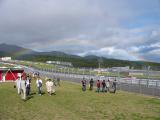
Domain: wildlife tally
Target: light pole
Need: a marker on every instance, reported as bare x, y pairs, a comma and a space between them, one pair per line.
100, 61
148, 68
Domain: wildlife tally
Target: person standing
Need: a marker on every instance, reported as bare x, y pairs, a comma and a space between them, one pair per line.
83, 85
39, 85
98, 85
58, 81
108, 85
103, 86
91, 82
114, 86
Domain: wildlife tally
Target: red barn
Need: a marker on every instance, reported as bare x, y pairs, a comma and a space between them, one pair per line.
10, 74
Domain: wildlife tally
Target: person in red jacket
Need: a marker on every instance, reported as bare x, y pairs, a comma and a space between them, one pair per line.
98, 84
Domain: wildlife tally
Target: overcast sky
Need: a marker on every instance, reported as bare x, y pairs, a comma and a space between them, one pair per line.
121, 29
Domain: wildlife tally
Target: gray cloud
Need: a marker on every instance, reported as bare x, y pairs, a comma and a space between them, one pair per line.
81, 27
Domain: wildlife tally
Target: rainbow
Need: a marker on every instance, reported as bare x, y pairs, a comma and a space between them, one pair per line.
22, 52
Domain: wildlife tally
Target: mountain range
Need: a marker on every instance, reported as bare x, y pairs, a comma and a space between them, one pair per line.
17, 52
11, 50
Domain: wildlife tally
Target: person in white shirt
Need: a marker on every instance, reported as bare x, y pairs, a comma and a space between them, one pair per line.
18, 85
21, 87
39, 85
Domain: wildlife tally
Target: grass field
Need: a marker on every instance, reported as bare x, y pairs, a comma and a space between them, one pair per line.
70, 103
6, 65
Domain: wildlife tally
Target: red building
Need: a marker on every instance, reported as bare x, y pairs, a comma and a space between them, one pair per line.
11, 74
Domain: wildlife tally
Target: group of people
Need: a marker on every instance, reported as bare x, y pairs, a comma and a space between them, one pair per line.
101, 85
23, 86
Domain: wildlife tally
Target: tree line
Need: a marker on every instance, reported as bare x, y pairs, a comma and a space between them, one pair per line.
91, 62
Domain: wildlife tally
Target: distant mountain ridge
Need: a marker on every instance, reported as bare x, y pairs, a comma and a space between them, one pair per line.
21, 53
11, 50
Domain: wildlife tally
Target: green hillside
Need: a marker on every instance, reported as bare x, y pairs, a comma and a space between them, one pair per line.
90, 62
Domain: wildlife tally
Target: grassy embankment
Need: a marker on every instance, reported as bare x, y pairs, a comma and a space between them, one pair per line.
70, 103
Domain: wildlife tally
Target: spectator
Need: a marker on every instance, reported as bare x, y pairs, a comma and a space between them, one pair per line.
54, 81
98, 84
114, 86
83, 85
58, 81
108, 85
103, 86
50, 87
21, 88
28, 82
91, 82
18, 85
39, 85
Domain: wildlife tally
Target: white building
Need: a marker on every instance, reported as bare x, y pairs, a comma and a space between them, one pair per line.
60, 63
6, 58
120, 68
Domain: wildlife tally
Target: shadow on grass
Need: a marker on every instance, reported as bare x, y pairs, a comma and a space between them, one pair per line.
33, 93
30, 97
43, 93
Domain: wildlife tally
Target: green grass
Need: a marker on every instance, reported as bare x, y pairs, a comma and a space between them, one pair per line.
146, 77
6, 65
70, 103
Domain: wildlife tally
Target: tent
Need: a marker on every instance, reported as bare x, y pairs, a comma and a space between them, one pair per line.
11, 74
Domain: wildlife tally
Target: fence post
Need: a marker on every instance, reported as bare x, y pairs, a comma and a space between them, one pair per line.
139, 81
158, 85
120, 87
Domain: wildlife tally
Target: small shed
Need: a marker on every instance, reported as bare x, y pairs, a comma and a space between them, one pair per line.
11, 74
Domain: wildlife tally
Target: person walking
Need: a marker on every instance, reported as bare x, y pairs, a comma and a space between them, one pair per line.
28, 86
18, 85
98, 85
83, 85
91, 82
103, 86
39, 85
23, 89
50, 87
